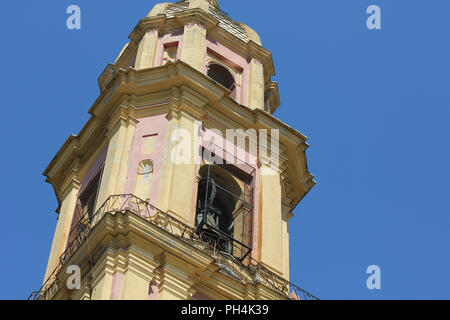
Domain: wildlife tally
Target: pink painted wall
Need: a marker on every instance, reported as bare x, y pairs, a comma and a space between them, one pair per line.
216, 49
153, 291
234, 60
148, 126
164, 40
116, 286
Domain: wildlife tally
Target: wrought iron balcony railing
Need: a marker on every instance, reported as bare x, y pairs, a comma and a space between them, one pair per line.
254, 272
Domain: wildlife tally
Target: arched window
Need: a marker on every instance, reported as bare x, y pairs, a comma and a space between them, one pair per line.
217, 199
221, 75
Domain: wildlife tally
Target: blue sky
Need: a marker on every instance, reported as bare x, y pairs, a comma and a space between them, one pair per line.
374, 103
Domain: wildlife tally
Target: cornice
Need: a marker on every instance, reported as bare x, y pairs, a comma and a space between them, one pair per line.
255, 51
197, 16
175, 84
124, 114
62, 153
145, 24
249, 50
127, 55
274, 98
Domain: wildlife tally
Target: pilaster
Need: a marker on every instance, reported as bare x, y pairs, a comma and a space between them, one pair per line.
174, 280
256, 85
68, 203
271, 247
194, 45
286, 216
201, 4
116, 164
178, 179
146, 53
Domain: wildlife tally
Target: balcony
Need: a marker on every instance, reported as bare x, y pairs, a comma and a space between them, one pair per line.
249, 272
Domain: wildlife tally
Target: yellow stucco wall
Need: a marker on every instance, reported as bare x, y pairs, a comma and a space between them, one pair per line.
286, 212
134, 287
102, 287
271, 237
256, 85
202, 4
194, 46
177, 185
116, 164
146, 53
62, 228
178, 180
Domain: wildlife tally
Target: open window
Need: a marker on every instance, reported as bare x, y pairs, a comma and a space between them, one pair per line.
88, 197
221, 75
85, 208
225, 207
221, 194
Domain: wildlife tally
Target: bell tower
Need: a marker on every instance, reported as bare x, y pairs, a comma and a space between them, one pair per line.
182, 183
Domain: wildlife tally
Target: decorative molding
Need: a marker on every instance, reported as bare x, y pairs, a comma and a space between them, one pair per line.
174, 87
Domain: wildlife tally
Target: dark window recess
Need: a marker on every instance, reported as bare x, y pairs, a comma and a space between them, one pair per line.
84, 210
132, 63
223, 76
220, 206
223, 215
267, 101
